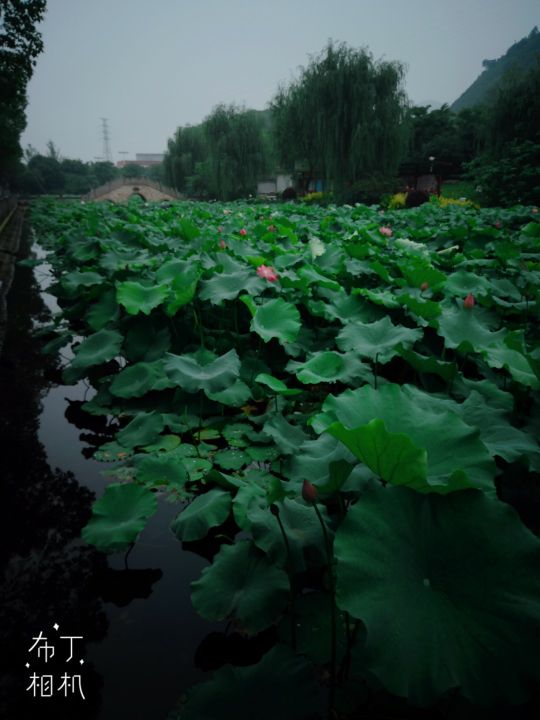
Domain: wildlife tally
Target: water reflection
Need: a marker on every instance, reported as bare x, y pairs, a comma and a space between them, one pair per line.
139, 627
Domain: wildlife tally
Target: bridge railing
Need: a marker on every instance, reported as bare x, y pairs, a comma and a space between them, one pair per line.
135, 181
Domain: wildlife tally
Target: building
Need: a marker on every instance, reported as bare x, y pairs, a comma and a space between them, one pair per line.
143, 159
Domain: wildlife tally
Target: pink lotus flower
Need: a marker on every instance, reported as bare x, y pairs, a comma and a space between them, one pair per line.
220, 228
271, 228
243, 231
266, 272
386, 231
534, 210
469, 302
498, 224
222, 244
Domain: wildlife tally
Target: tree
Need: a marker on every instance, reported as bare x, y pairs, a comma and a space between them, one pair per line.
20, 44
344, 117
221, 158
235, 152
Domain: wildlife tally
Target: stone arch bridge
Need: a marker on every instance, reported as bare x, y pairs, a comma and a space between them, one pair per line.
121, 189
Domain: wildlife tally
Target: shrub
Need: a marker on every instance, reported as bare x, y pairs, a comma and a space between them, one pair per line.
513, 178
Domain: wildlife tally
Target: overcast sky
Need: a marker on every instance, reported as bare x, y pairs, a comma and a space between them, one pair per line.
151, 65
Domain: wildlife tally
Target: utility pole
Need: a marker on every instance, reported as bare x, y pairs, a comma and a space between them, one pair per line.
107, 153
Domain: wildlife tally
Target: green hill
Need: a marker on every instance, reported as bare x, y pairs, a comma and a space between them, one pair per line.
522, 56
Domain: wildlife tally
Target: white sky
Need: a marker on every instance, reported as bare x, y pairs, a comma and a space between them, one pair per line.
152, 65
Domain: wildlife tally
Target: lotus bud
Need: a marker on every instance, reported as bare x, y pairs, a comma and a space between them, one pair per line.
309, 492
468, 303
424, 286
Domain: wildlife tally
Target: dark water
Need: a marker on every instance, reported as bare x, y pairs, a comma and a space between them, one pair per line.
139, 630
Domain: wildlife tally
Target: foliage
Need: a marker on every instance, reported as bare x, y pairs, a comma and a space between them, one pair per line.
510, 178
222, 157
342, 119
394, 374
20, 44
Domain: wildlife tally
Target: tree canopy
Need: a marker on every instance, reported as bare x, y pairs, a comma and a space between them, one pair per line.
20, 44
343, 118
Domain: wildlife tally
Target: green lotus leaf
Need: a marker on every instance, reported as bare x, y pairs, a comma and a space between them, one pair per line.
142, 430
281, 685
164, 442
498, 435
138, 298
446, 370
463, 329
302, 527
461, 283
381, 339
276, 319
233, 459
136, 380
276, 385
427, 310
243, 584
312, 276
97, 348
145, 341
235, 395
417, 271
165, 469
182, 291
193, 372
519, 367
119, 516
207, 511
287, 437
392, 456
456, 455
379, 297
234, 279
76, 279
104, 311
448, 591
329, 366
315, 458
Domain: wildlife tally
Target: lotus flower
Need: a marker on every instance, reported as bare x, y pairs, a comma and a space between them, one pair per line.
271, 228
309, 492
469, 301
424, 286
220, 228
386, 231
266, 272
222, 244
243, 231
534, 210
498, 224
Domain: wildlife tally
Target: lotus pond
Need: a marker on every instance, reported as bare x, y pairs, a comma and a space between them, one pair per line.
345, 406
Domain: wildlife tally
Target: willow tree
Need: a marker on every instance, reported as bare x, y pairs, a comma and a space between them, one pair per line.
343, 118
236, 151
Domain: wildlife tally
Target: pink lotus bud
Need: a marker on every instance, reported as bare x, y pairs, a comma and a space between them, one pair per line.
220, 228
424, 286
386, 231
243, 231
309, 492
222, 244
469, 302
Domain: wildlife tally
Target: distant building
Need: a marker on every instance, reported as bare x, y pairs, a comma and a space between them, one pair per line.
143, 159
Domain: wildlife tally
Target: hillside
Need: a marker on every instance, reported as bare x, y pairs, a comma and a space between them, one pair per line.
522, 56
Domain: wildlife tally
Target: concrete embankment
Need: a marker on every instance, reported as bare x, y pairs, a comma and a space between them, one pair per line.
11, 222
